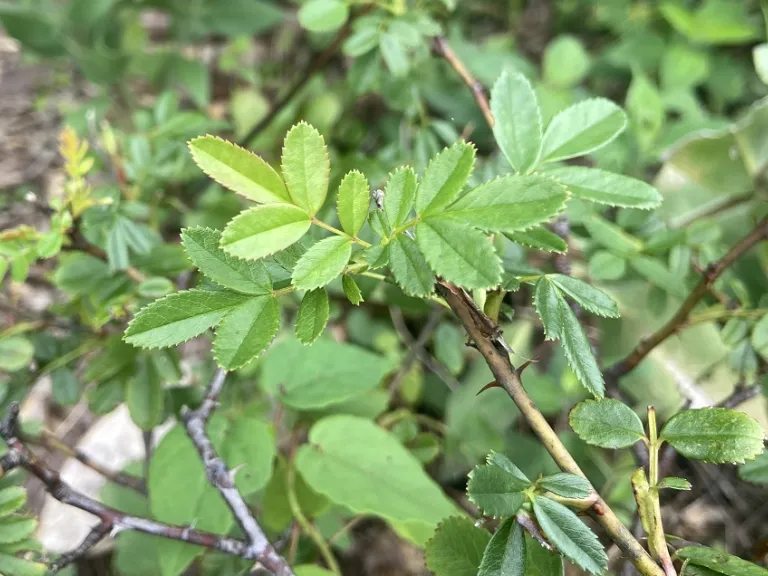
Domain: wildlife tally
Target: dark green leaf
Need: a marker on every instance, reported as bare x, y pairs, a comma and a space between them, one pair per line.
720, 562
202, 248
409, 267
495, 491
312, 316
351, 290
569, 535
606, 423
714, 435
756, 471
566, 485
505, 553
457, 548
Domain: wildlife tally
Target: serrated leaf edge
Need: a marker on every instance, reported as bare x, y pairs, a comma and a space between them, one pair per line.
325, 151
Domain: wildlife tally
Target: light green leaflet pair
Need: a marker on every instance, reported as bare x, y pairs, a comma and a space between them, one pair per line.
427, 227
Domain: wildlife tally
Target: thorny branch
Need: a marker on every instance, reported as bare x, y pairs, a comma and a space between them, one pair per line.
256, 547
712, 273
490, 343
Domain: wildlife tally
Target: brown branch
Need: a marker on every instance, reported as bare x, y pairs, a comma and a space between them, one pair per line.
712, 273
488, 340
49, 440
740, 395
443, 49
317, 64
223, 479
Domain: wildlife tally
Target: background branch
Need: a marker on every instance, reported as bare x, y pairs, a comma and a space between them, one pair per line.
712, 273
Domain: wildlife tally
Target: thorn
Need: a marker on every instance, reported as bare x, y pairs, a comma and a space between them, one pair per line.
115, 530
523, 366
233, 472
492, 384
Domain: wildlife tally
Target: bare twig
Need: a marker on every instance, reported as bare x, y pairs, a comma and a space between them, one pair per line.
488, 340
443, 49
96, 535
256, 548
317, 64
528, 524
223, 480
740, 395
49, 440
416, 348
711, 274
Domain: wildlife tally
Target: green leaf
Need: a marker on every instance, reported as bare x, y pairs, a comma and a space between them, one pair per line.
144, 394
322, 263
16, 528
155, 287
311, 570
16, 352
720, 562
457, 548
238, 170
561, 323
565, 62
581, 129
299, 376
569, 535
394, 54
674, 483
606, 266
539, 238
365, 469
449, 347
505, 553
19, 567
11, 499
606, 423
517, 123
714, 435
323, 15
202, 248
400, 196
495, 491
759, 338
179, 317
410, 267
459, 254
264, 230
351, 290
566, 485
353, 201
588, 297
444, 178
246, 331
179, 493
659, 275
755, 471
509, 203
606, 187
611, 236
306, 167
539, 561
312, 316
498, 459
646, 109
247, 445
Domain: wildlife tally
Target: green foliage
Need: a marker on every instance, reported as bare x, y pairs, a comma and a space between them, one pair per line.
364, 468
566, 485
719, 562
496, 491
505, 554
322, 263
457, 548
606, 423
306, 167
569, 535
264, 230
714, 435
312, 316
517, 121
